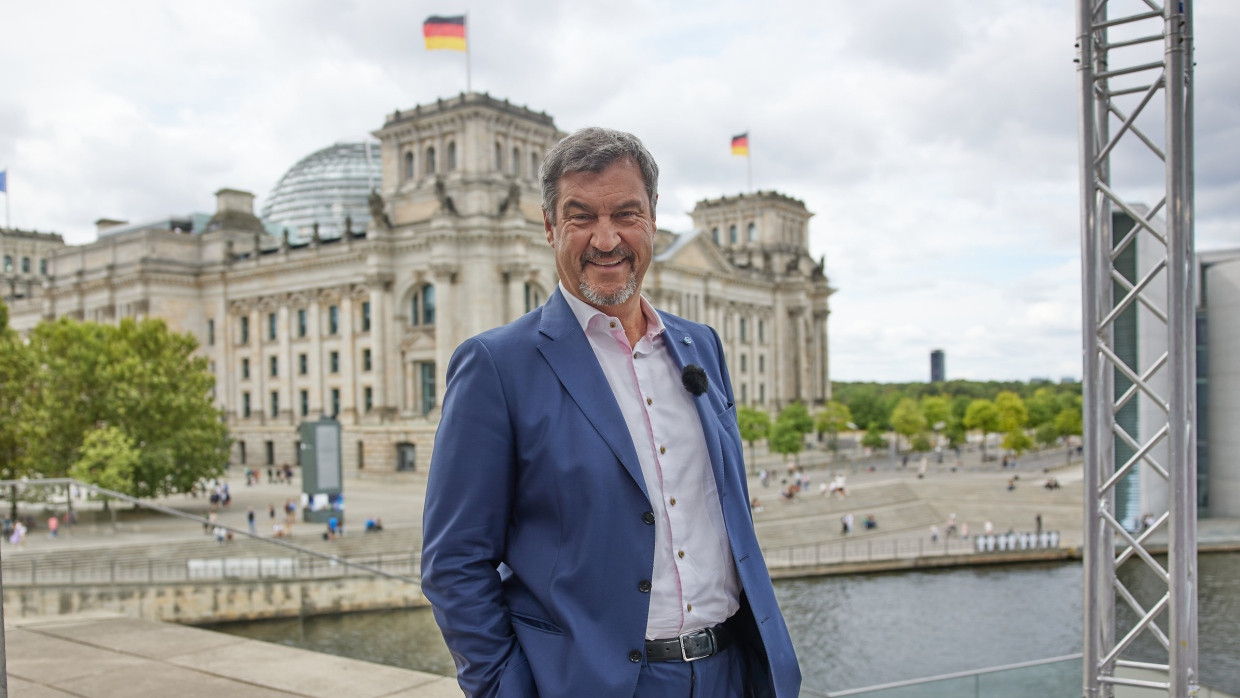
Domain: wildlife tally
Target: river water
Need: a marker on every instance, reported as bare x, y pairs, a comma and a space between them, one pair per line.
862, 630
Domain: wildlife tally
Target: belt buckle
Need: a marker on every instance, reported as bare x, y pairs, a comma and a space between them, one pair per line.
684, 654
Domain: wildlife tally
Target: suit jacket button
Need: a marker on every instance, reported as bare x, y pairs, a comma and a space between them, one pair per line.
643, 586
648, 517
635, 656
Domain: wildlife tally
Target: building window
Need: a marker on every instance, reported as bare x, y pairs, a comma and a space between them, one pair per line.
365, 316
335, 401
304, 397
245, 330
422, 307
752, 233
271, 452
271, 326
368, 397
210, 332
409, 171
744, 394
334, 360
8, 263
365, 359
762, 331
275, 366
744, 330
245, 369
333, 319
451, 155
301, 322
732, 234
516, 162
427, 375
533, 297
245, 404
762, 393
241, 451
25, 265
43, 267
714, 234
761, 363
744, 364
302, 364
430, 160
275, 403
533, 165
499, 157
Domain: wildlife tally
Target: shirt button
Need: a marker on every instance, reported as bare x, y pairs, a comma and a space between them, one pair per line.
643, 586
680, 554
662, 450
634, 355
635, 656
672, 501
613, 325
689, 608
649, 401
648, 517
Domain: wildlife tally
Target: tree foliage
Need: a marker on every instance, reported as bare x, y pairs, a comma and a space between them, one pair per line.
754, 425
983, 416
796, 416
1012, 412
831, 420
937, 410
137, 378
907, 419
786, 439
107, 458
873, 437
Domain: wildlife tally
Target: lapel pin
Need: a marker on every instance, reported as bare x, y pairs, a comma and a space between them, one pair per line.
687, 340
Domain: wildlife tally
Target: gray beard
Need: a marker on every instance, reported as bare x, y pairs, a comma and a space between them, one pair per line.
596, 298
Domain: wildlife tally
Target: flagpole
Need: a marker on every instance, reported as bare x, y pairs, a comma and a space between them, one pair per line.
468, 85
749, 164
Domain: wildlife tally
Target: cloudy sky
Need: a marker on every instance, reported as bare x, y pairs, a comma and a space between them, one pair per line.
935, 142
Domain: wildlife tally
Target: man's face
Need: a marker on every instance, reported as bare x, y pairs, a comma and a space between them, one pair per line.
603, 235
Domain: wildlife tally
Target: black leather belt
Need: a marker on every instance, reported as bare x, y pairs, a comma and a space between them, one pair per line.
698, 644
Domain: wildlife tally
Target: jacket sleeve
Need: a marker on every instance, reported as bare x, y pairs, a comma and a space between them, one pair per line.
468, 503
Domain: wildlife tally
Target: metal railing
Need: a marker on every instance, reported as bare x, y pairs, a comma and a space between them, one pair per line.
889, 549
1056, 676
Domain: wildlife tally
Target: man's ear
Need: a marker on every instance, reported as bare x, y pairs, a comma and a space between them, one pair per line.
547, 226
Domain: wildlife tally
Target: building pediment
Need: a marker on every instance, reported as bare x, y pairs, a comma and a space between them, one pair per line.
695, 251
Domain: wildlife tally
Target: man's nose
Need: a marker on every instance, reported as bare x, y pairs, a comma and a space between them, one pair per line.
606, 234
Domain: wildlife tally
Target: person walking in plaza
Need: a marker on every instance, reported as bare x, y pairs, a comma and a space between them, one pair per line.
53, 525
587, 529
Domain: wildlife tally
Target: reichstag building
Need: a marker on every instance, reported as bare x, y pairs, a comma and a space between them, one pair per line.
370, 263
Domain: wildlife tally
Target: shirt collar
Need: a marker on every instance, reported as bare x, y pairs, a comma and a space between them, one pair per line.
584, 312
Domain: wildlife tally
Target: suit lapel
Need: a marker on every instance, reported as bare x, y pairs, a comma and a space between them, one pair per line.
683, 351
571, 358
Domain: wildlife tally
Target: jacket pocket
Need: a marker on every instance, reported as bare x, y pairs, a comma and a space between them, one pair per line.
535, 623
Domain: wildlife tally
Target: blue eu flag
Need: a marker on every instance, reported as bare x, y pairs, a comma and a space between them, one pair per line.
3, 187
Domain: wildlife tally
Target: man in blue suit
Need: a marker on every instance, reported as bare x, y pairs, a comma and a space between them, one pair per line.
587, 528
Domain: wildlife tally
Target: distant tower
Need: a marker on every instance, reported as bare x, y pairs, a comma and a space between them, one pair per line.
938, 372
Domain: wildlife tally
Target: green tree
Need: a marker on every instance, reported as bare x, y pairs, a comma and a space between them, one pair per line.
1017, 441
1043, 406
1069, 421
1046, 434
108, 458
874, 437
786, 439
796, 415
983, 416
754, 425
831, 420
907, 419
937, 409
19, 430
139, 378
1012, 412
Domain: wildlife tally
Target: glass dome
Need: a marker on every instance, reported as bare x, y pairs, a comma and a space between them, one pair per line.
325, 187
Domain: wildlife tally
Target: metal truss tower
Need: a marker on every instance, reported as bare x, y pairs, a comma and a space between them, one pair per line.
1139, 344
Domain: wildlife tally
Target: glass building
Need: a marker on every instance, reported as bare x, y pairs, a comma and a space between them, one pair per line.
328, 187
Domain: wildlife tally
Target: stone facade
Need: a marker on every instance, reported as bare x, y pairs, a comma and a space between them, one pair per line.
24, 261
362, 326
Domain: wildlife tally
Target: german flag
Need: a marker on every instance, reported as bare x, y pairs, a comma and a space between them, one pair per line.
740, 144
444, 33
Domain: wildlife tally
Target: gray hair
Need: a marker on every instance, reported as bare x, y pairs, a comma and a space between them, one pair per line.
594, 149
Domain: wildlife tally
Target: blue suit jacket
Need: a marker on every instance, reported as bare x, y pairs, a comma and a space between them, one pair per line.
535, 538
